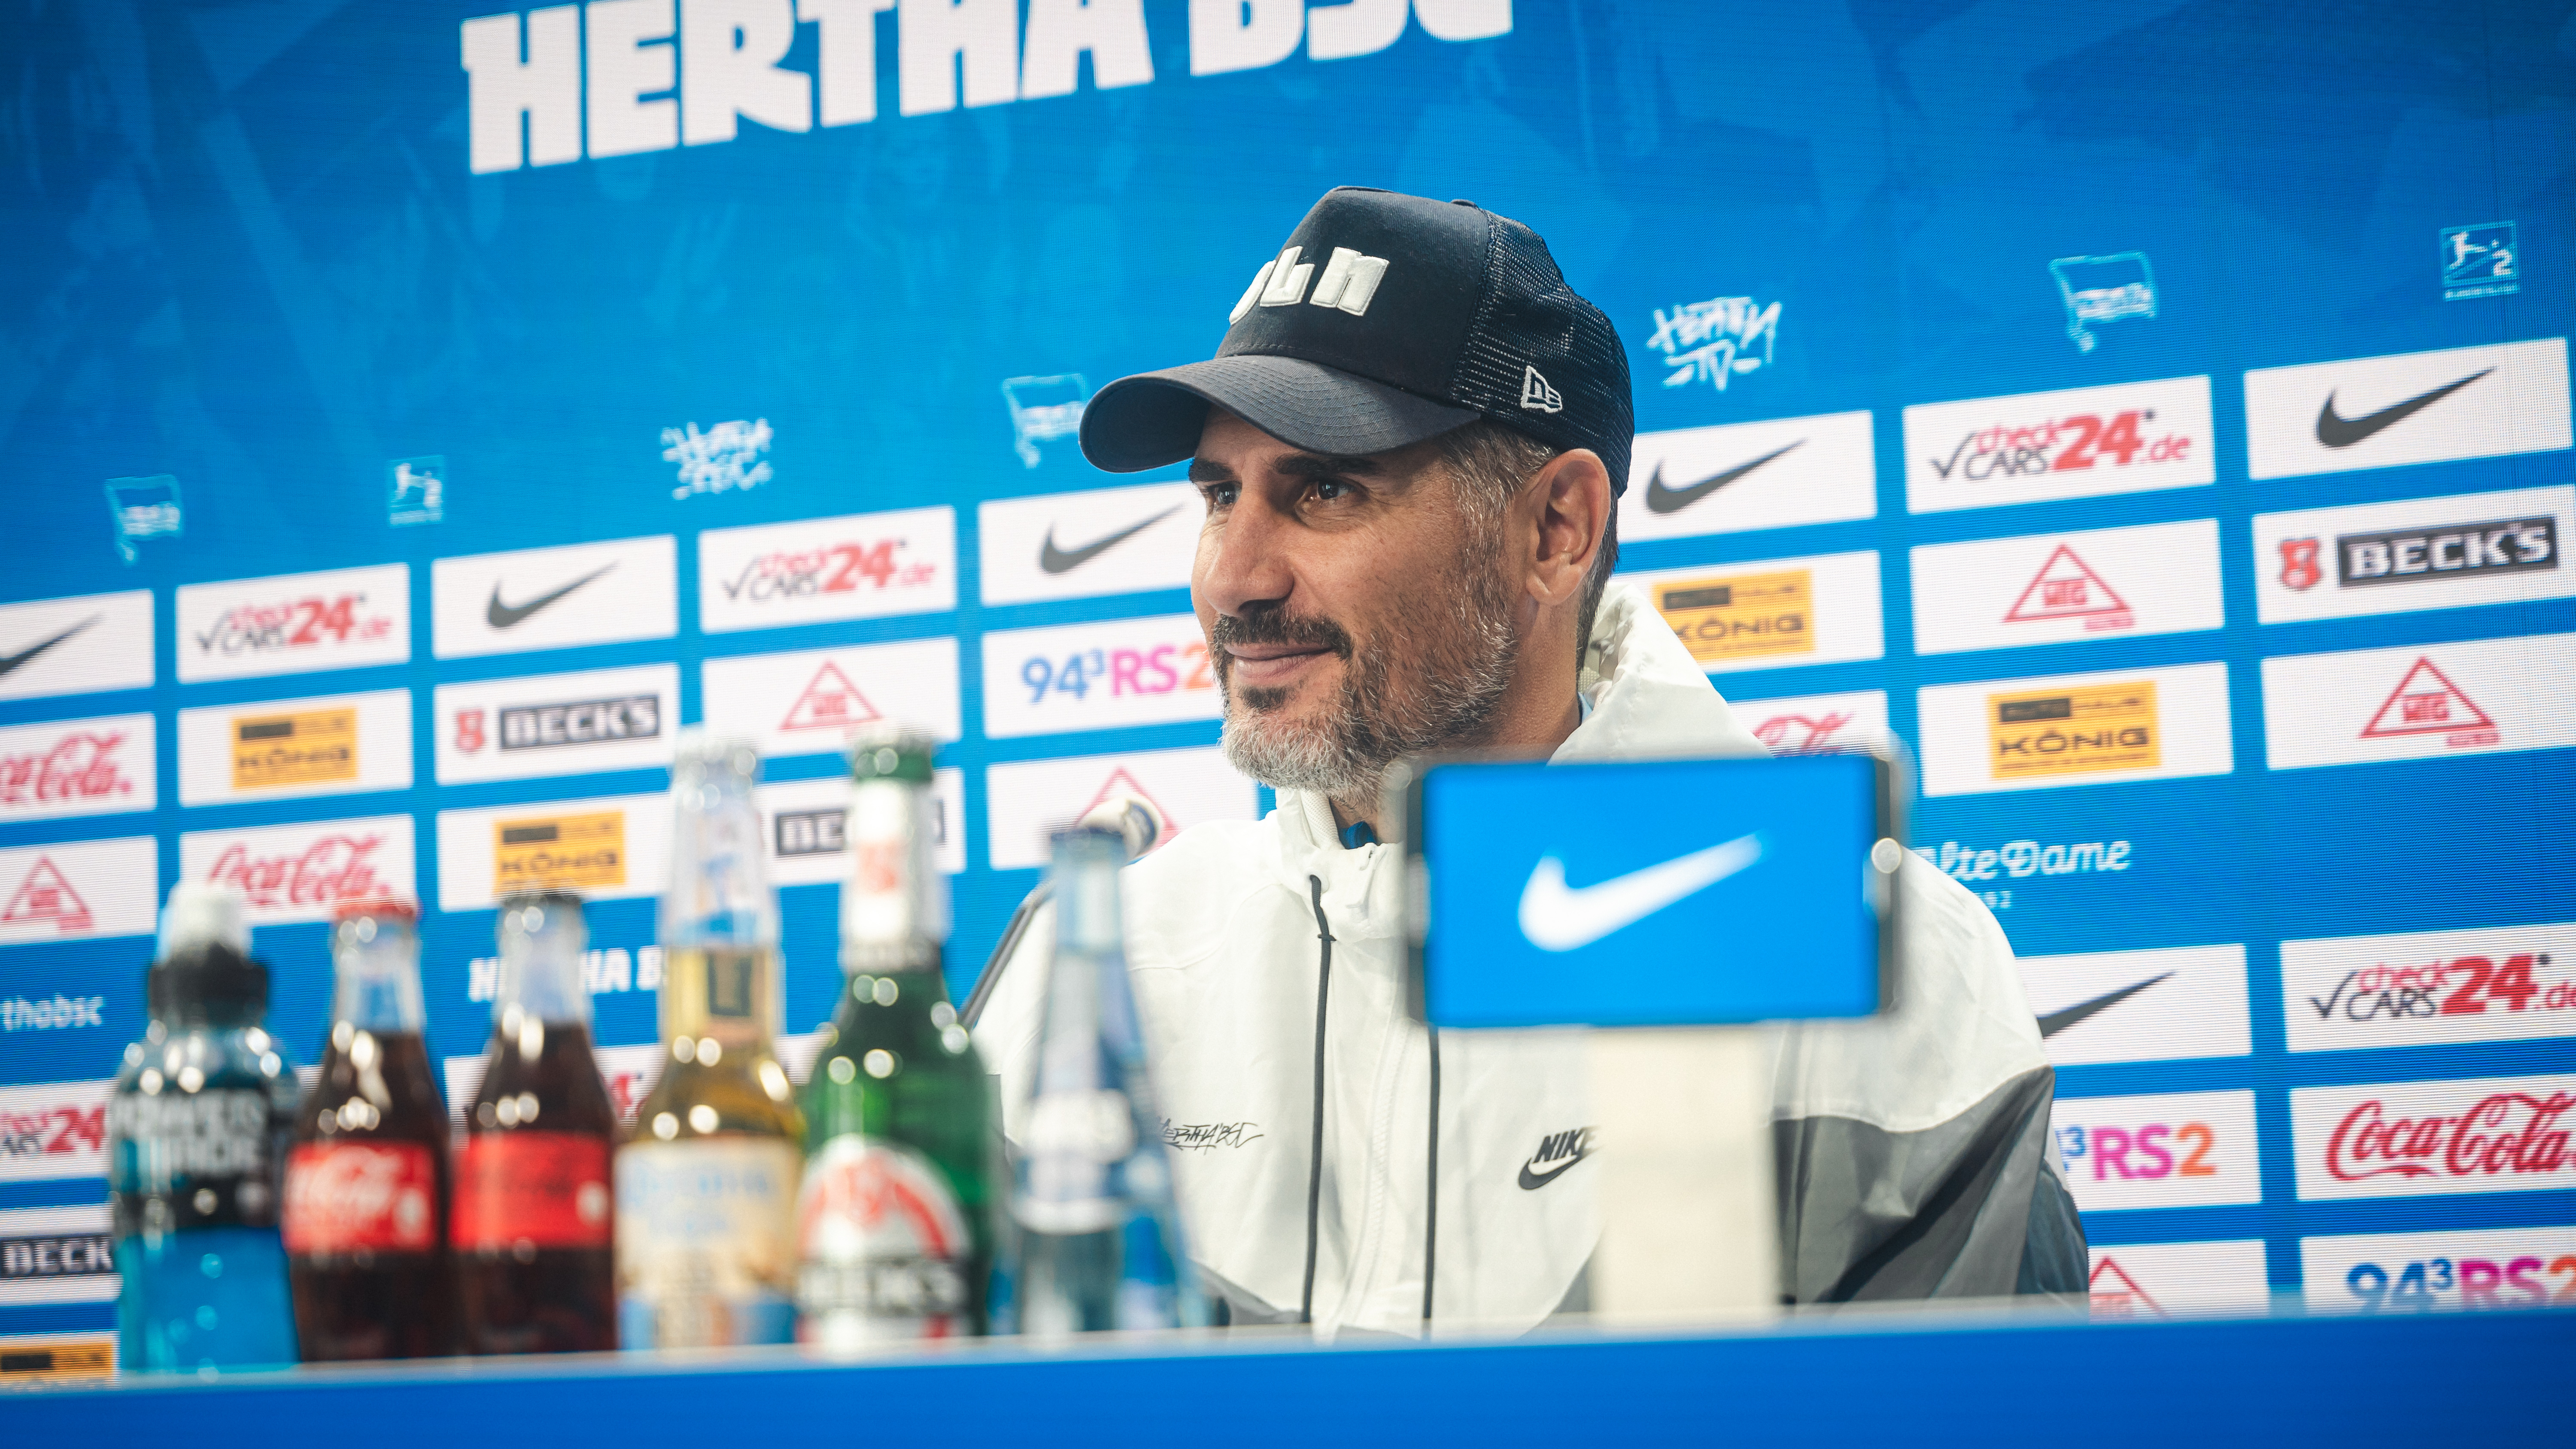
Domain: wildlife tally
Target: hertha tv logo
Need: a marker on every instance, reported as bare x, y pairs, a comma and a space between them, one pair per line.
2299, 567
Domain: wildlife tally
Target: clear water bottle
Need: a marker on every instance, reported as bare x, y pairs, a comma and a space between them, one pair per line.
196, 1139
1099, 1236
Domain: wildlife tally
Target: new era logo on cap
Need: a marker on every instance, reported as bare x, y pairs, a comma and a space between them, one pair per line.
1537, 395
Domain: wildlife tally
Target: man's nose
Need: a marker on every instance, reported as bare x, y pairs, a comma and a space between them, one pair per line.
1243, 560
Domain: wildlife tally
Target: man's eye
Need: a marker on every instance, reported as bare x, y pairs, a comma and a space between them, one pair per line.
1328, 489
1221, 495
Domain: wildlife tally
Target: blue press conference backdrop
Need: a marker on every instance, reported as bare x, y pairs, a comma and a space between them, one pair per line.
1997, 366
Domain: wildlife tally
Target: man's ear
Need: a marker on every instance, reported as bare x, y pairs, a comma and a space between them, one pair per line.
1571, 501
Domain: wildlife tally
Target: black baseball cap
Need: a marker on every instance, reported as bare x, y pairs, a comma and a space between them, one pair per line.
1384, 320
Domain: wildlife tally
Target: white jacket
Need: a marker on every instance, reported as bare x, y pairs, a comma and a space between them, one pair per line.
1267, 964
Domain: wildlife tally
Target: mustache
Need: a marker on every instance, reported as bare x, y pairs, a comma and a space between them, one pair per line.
1277, 626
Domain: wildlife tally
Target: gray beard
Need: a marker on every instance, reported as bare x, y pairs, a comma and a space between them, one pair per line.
1457, 664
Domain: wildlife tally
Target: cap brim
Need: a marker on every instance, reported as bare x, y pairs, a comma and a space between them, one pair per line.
1154, 418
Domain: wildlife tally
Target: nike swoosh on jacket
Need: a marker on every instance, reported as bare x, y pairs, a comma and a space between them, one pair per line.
1913, 1150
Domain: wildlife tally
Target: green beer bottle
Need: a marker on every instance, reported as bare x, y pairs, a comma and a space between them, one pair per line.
894, 1219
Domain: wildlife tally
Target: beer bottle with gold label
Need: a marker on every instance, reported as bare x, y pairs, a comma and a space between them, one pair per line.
706, 1180
895, 1220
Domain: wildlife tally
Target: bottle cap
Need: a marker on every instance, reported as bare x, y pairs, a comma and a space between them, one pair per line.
201, 914
204, 958
891, 752
379, 906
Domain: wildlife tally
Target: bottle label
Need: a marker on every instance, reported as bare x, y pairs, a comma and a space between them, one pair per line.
172, 1135
882, 1244
344, 1197
547, 1189
705, 1242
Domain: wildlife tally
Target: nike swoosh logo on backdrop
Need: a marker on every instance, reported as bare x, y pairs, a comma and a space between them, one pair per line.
1660, 499
1054, 560
503, 616
1553, 1170
2336, 431
10, 662
2057, 1021
1556, 917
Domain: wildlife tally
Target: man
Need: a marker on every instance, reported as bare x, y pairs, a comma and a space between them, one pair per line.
1410, 443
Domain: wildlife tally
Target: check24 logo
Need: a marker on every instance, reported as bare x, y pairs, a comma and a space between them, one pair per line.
1163, 669
838, 569
299, 624
57, 1131
2010, 452
2426, 991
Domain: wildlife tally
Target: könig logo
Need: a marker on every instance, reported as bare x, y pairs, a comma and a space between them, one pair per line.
1349, 283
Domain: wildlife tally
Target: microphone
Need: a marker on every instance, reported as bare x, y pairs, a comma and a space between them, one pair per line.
1139, 824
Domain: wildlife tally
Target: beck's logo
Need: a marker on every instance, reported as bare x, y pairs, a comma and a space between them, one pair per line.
1537, 395
1556, 1152
2506, 546
2299, 568
2337, 431
1349, 283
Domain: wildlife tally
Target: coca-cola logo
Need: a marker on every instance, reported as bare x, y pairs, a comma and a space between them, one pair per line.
354, 1195
2506, 1133
82, 765
332, 868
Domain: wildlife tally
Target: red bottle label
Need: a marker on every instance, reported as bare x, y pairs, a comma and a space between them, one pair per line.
345, 1196
546, 1189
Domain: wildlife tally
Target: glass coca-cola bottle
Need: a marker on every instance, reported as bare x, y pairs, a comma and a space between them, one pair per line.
367, 1181
534, 1218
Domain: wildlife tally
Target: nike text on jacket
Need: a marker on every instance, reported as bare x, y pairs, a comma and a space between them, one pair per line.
1914, 1155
